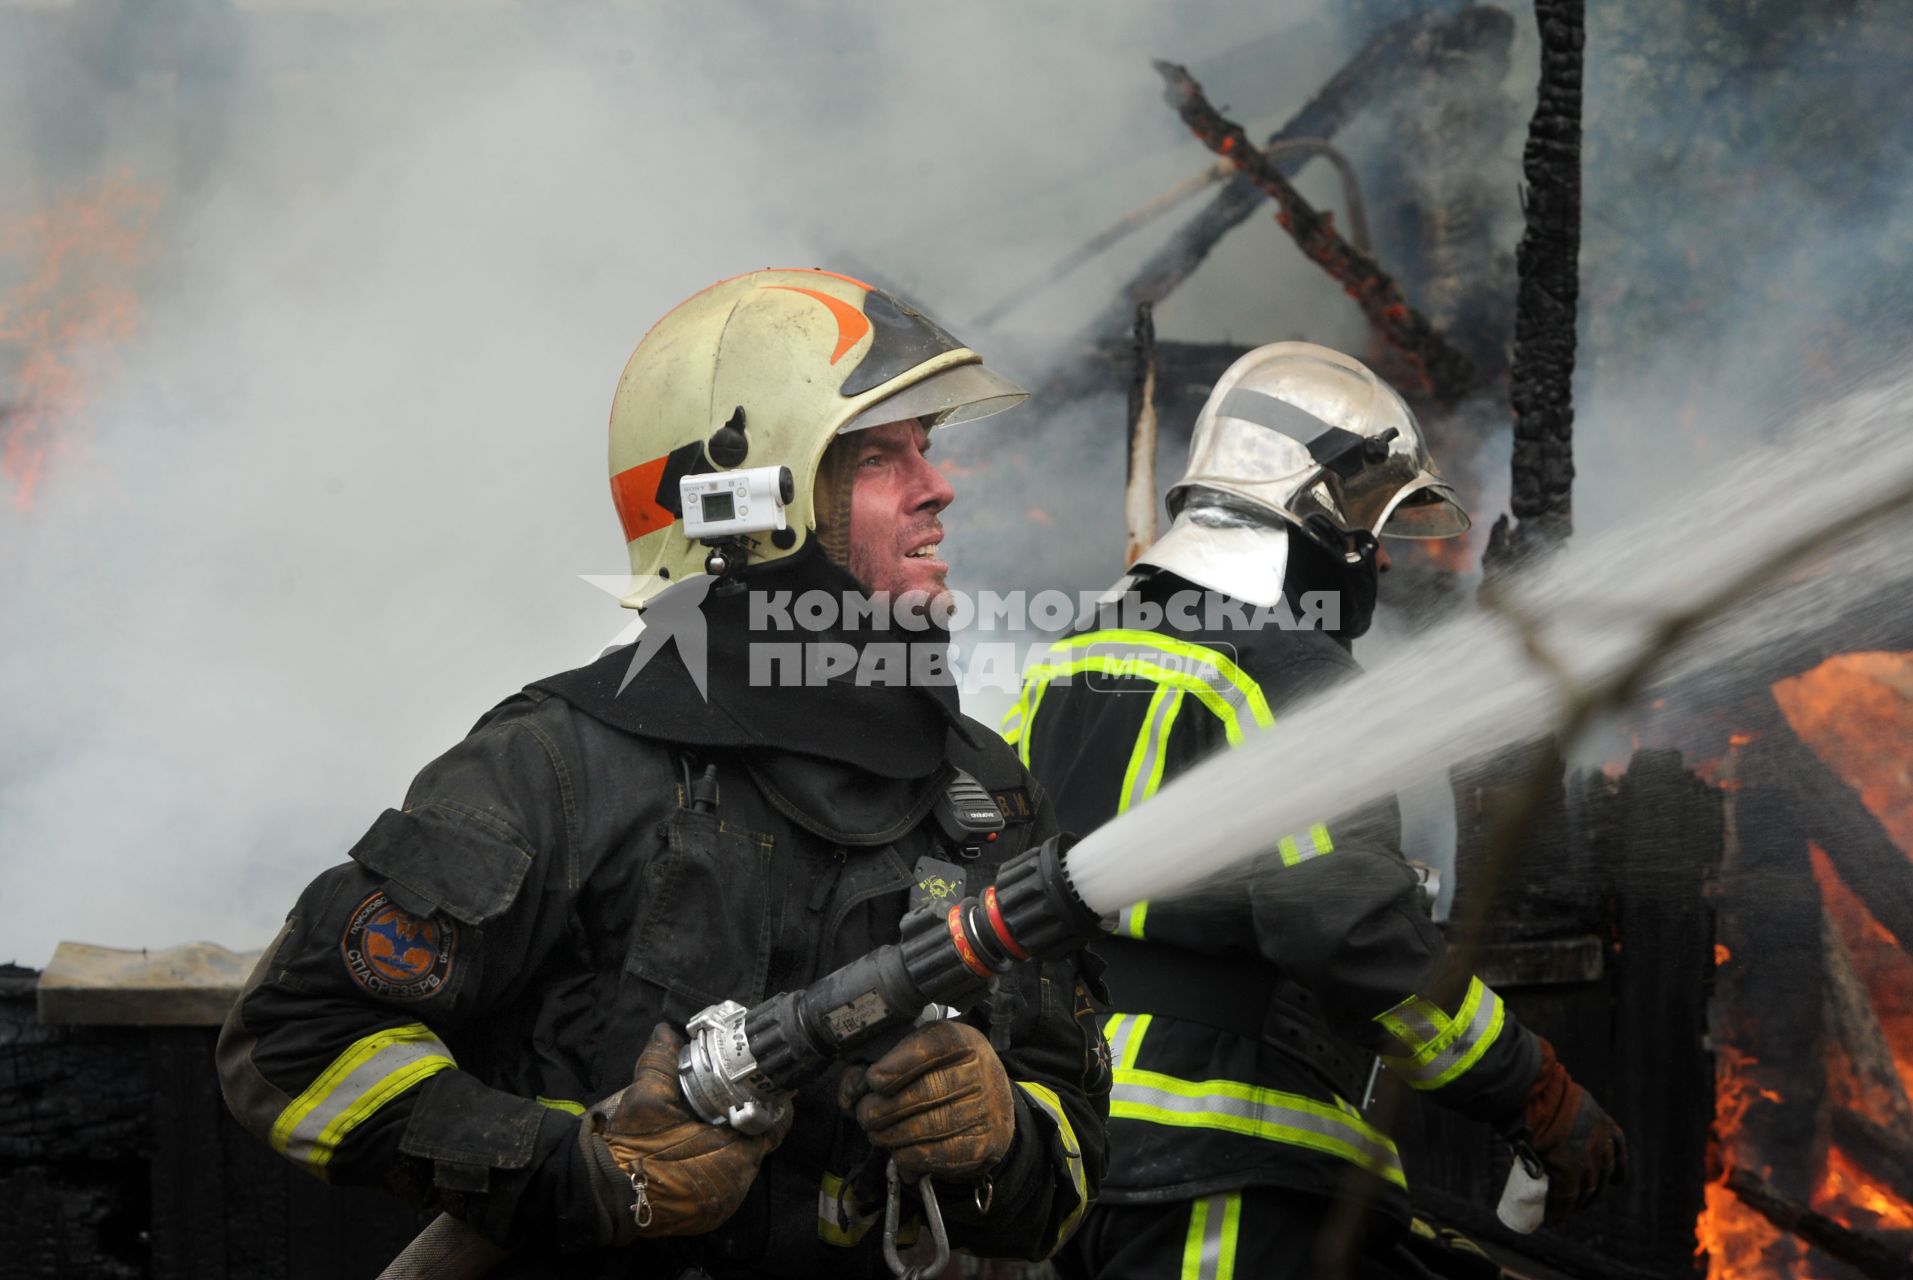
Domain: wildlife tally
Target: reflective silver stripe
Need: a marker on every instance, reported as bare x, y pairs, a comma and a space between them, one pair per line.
1208, 1252
1146, 761
1422, 1022
1124, 1031
840, 1219
1445, 1057
370, 1073
1234, 1107
1129, 921
1174, 659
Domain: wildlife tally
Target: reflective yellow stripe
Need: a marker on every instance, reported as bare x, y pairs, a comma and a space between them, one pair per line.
1216, 665
1033, 695
1046, 1101
1124, 1032
563, 1104
1231, 1230
840, 1220
1439, 1049
1292, 853
371, 1072
1144, 772
1129, 921
1251, 1111
1192, 1243
1208, 1252
1011, 726
1216, 681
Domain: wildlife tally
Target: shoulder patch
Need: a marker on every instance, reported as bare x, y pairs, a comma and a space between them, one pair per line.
396, 955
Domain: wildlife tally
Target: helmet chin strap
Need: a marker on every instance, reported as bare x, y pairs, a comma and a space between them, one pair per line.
1352, 553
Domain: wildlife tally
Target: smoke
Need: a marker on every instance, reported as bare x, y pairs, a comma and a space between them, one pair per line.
332, 499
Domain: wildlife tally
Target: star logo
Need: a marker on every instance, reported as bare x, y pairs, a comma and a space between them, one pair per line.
675, 616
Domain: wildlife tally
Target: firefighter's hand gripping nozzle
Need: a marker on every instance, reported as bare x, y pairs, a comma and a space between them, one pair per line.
740, 1065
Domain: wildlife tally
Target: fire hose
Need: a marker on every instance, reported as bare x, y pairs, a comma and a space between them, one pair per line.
740, 1066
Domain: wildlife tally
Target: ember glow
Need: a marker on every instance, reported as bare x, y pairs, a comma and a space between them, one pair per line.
1738, 1243
1847, 1195
1850, 710
66, 301
1855, 712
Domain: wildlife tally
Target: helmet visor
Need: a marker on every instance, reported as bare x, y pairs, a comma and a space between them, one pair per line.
1423, 508
962, 394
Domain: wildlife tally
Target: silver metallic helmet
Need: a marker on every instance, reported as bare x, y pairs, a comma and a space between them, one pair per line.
1291, 433
1300, 430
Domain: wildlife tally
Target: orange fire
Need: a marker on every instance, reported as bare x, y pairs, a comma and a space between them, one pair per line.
1846, 1194
1738, 1243
1855, 712
67, 301
1883, 968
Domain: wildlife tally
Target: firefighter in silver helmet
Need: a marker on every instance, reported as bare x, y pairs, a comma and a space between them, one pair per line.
1245, 1023
455, 1013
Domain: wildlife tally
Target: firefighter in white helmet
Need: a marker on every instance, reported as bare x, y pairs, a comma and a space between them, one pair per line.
455, 1012
1245, 1023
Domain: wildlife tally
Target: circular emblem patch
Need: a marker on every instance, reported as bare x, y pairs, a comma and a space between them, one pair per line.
395, 954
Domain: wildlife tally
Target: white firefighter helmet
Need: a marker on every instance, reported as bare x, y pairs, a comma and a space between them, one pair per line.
1294, 431
777, 363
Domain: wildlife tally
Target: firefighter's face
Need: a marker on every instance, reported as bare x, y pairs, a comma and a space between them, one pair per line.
895, 497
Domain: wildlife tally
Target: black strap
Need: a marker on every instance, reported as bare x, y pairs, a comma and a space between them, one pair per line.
1252, 1001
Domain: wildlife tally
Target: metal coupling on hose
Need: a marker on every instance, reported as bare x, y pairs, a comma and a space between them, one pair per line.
720, 1076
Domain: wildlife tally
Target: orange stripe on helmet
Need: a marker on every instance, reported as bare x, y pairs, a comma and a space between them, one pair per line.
852, 324
635, 492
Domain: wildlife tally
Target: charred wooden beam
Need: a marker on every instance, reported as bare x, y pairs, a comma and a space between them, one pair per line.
1855, 1248
1373, 70
1139, 493
1881, 1154
1773, 990
1548, 259
1447, 373
1144, 214
1831, 814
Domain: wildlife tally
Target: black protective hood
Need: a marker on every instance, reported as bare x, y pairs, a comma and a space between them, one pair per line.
892, 731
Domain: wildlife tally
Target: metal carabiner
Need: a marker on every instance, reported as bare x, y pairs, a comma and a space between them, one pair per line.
932, 1213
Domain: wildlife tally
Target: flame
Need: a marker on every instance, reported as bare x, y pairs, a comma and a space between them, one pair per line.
1737, 1242
1855, 712
1845, 1189
1852, 710
69, 301
1883, 968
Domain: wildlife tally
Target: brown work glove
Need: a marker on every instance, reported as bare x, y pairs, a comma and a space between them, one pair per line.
1582, 1148
694, 1174
939, 1102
